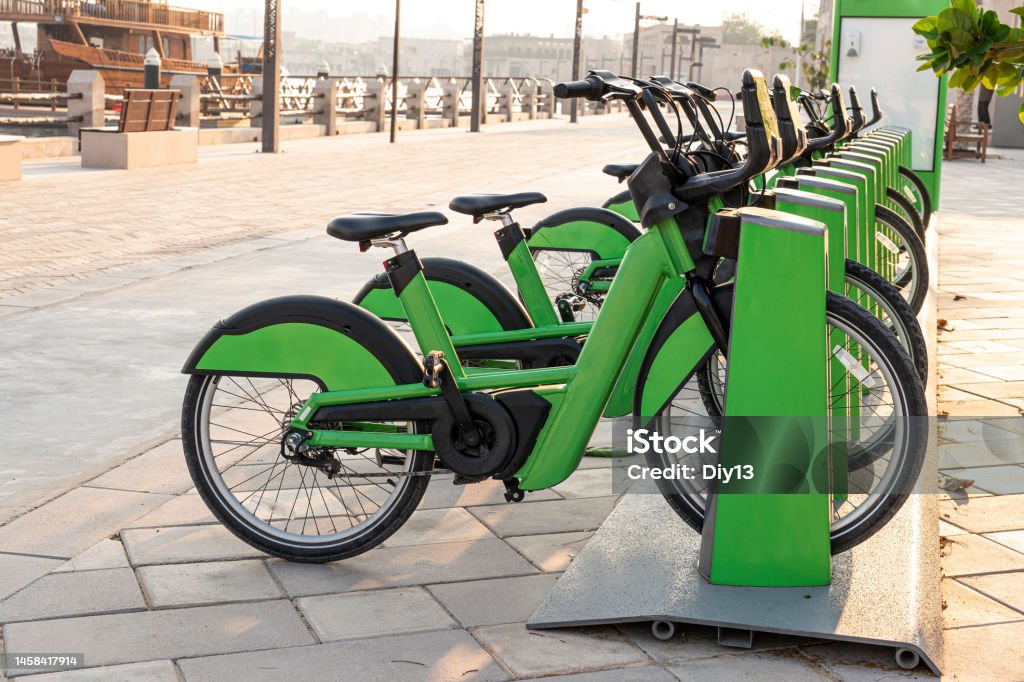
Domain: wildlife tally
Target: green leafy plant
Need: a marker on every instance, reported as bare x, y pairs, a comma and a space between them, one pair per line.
814, 63
974, 47
740, 29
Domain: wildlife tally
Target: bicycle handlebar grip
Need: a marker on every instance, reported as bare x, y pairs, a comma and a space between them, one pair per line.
858, 121
704, 91
876, 110
590, 88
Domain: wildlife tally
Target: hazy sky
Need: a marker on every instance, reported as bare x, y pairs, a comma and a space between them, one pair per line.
540, 17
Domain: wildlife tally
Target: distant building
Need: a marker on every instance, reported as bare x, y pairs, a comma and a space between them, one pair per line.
527, 55
518, 55
708, 60
825, 18
428, 56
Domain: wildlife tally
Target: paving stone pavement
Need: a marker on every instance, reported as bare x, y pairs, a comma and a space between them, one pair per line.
233, 229
132, 569
981, 380
113, 219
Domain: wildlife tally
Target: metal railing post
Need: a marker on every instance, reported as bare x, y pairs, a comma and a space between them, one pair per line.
577, 54
507, 99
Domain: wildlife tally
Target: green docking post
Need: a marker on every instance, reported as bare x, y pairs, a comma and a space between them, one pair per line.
754, 535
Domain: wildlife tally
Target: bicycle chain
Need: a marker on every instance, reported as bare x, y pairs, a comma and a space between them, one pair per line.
403, 474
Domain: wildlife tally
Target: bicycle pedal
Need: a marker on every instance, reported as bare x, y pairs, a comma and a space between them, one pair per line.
433, 366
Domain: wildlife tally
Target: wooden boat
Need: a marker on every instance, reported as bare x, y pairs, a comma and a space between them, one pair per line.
111, 36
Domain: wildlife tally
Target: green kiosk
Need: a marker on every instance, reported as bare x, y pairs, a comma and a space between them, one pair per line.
762, 563
873, 46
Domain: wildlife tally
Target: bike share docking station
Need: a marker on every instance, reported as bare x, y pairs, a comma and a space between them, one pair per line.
763, 562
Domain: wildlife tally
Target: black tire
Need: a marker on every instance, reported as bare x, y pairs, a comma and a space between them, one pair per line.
884, 503
907, 211
901, 319
922, 191
912, 281
880, 293
560, 268
247, 526
483, 286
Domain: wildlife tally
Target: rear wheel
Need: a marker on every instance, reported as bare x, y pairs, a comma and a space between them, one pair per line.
886, 450
232, 430
560, 272
470, 301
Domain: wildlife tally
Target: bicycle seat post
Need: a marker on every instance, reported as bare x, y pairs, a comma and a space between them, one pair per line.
394, 241
504, 216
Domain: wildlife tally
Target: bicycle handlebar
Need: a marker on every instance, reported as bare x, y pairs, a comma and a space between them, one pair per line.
598, 85
763, 142
876, 111
705, 92
840, 126
684, 95
587, 88
794, 135
858, 112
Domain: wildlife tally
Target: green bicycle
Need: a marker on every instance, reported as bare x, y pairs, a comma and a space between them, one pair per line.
567, 263
311, 430
476, 307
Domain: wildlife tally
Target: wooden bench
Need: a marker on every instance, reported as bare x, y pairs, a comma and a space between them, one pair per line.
978, 135
146, 111
145, 135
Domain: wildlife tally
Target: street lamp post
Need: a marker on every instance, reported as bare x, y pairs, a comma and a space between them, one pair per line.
271, 113
394, 73
478, 75
705, 43
636, 41
675, 39
577, 54
636, 37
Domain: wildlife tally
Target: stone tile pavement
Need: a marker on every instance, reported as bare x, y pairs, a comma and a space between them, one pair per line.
106, 221
129, 567
155, 271
981, 375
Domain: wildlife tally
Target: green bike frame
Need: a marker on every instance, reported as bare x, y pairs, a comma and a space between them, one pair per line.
577, 394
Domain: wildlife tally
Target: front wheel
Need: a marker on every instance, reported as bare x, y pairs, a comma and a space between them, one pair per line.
870, 290
909, 271
864, 287
884, 439
906, 209
232, 429
916, 191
